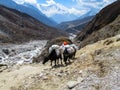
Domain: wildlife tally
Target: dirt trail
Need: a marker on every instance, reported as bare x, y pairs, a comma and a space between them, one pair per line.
13, 77
96, 67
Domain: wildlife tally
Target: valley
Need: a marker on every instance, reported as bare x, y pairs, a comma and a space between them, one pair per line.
26, 34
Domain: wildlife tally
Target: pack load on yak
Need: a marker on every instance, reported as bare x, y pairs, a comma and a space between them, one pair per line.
64, 52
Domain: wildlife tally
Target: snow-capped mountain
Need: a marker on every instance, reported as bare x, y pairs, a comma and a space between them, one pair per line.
30, 10
51, 11
65, 14
58, 13
64, 10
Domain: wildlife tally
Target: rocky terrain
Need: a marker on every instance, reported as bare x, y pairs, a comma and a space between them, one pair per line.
18, 54
105, 24
96, 67
74, 26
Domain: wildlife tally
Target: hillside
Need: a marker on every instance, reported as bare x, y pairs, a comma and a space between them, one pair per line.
97, 66
104, 24
20, 27
30, 10
74, 26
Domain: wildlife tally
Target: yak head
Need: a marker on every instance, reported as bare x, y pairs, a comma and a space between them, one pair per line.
46, 59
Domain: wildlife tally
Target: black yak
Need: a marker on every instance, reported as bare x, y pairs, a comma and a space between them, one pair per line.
54, 55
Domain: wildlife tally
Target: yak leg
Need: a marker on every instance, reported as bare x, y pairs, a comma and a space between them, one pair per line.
65, 60
55, 62
73, 56
69, 60
61, 59
51, 62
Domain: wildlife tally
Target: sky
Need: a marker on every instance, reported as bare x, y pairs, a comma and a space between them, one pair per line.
74, 7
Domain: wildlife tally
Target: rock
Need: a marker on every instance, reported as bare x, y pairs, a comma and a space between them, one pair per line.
45, 78
27, 56
80, 79
6, 51
59, 74
53, 69
3, 67
27, 60
41, 75
118, 39
108, 42
20, 62
61, 71
1, 59
13, 50
97, 52
81, 71
72, 84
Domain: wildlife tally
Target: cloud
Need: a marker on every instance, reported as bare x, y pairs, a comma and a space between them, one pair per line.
51, 8
50, 2
27, 1
98, 4
77, 12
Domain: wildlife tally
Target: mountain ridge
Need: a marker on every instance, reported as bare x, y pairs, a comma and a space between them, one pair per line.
30, 10
106, 16
74, 26
20, 27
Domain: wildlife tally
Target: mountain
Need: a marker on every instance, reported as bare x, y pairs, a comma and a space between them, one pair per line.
63, 17
105, 24
30, 10
75, 26
20, 27
62, 11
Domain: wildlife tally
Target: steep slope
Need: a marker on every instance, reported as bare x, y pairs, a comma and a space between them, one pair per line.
19, 27
74, 26
39, 15
92, 31
76, 29
30, 10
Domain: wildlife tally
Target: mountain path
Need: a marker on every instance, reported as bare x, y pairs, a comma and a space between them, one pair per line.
96, 66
